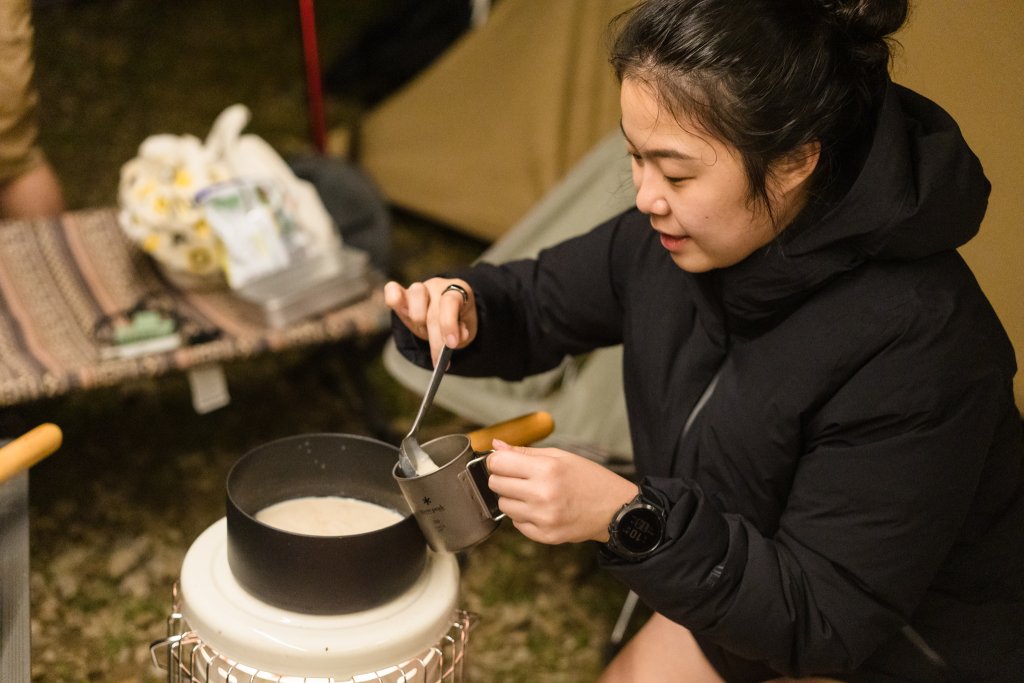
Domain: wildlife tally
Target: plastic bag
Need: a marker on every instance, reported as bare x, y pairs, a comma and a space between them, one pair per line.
277, 220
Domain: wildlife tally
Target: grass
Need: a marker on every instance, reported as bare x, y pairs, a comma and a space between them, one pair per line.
140, 474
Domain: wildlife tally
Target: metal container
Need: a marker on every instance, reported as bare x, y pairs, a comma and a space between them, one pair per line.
334, 278
320, 574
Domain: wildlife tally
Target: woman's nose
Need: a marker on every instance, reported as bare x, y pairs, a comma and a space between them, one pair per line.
649, 197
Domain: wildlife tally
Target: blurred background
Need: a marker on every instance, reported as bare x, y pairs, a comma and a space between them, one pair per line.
140, 474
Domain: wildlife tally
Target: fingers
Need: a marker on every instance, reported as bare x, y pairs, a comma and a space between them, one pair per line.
524, 480
440, 311
399, 300
454, 300
554, 496
417, 298
394, 297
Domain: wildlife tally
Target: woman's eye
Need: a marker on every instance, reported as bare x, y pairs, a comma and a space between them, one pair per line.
676, 181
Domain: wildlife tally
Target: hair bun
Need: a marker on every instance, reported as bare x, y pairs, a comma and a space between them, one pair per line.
869, 20
866, 26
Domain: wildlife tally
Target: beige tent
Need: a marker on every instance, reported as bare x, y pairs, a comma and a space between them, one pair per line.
479, 137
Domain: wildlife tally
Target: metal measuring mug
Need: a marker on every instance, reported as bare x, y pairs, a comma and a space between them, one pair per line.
453, 505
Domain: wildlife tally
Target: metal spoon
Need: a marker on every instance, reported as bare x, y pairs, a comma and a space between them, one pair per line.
413, 460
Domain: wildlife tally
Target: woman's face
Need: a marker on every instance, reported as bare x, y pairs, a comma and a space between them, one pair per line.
692, 186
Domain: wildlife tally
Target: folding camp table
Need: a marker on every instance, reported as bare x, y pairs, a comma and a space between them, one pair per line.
60, 278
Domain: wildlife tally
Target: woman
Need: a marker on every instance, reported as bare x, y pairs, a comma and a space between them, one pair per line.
820, 396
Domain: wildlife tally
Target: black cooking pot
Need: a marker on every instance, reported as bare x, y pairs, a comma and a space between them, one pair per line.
320, 574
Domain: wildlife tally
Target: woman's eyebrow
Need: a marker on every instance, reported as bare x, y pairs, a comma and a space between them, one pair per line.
667, 153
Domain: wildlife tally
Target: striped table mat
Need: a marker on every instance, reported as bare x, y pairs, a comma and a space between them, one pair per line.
59, 277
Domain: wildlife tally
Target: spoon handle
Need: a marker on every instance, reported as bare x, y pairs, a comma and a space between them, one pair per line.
435, 381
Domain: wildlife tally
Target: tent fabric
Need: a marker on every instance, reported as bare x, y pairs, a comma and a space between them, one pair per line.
584, 395
478, 138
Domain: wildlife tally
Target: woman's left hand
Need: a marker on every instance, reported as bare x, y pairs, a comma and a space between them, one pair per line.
553, 496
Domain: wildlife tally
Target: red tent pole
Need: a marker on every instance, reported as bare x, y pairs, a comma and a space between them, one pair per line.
314, 89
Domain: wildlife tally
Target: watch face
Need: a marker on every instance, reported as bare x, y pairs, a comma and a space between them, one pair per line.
639, 530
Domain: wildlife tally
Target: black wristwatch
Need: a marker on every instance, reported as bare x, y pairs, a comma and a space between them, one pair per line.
637, 529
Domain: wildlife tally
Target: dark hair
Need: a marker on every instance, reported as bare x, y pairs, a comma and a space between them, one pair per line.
767, 76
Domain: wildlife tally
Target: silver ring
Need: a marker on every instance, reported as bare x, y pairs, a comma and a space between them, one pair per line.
456, 288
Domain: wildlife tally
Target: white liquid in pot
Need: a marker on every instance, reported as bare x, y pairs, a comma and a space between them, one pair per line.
328, 516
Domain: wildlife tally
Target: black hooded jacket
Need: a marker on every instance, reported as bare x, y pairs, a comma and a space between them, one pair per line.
850, 499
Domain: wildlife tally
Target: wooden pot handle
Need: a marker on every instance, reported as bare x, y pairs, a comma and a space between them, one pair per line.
519, 431
28, 449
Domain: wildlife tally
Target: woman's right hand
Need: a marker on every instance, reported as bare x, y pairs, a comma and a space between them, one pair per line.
434, 313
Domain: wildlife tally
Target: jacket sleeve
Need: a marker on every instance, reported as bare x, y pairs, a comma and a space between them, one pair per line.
534, 312
889, 470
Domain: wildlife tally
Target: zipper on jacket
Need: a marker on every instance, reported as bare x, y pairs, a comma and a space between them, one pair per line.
702, 401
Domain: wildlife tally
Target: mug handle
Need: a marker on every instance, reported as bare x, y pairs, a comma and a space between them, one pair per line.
488, 500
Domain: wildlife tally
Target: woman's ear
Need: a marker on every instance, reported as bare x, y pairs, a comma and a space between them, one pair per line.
793, 170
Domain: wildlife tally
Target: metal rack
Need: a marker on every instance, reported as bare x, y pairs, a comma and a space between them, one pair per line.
188, 659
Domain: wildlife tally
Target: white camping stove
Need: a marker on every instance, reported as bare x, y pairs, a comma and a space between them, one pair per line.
219, 633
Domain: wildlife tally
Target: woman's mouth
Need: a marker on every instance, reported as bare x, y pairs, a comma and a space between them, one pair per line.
672, 242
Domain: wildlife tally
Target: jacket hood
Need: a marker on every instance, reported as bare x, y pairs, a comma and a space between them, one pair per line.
920, 191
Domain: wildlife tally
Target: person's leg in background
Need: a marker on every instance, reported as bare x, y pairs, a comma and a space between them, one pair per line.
29, 187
